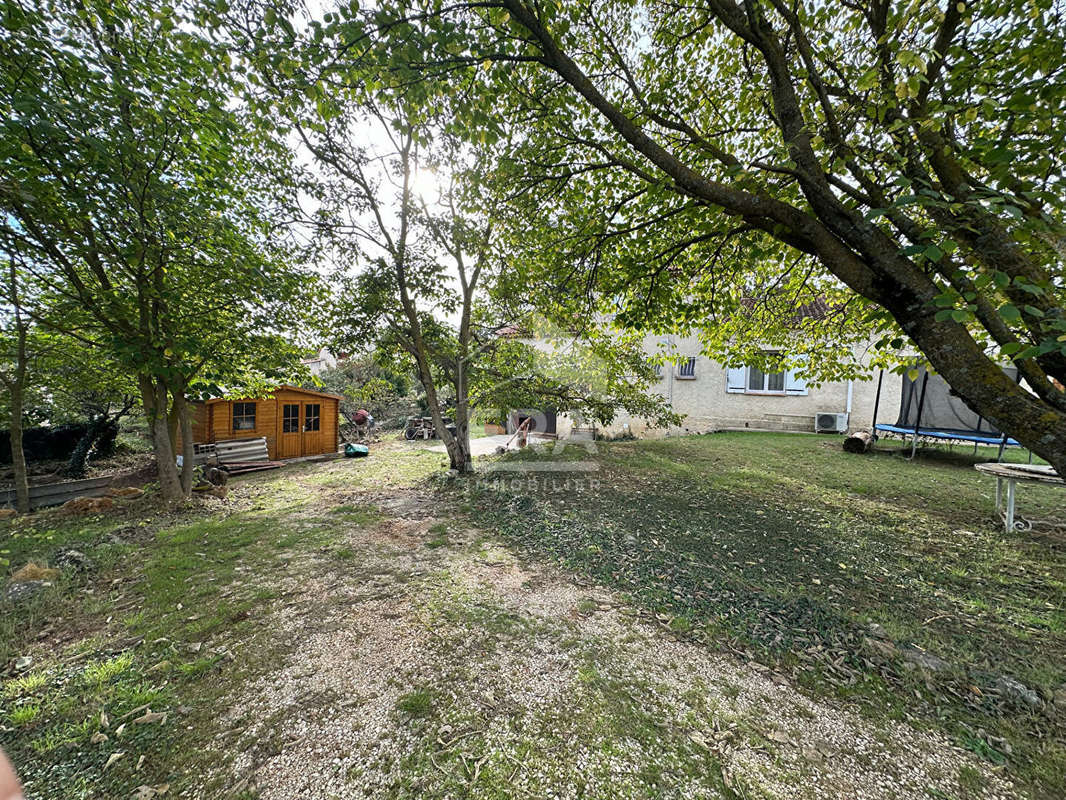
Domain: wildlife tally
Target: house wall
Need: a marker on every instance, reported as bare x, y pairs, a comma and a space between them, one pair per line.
707, 406
324, 360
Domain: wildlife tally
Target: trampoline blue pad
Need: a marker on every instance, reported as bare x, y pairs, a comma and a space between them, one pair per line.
933, 433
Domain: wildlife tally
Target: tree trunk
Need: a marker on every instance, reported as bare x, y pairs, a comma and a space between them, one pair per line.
17, 386
858, 442
184, 414
459, 452
459, 449
76, 464
18, 455
154, 396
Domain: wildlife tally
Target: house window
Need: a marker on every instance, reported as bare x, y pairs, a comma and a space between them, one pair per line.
290, 418
687, 368
312, 416
759, 381
752, 380
244, 416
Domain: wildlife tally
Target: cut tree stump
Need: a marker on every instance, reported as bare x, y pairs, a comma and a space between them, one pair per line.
858, 442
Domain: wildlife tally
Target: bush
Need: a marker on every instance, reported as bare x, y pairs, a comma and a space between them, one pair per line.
45, 443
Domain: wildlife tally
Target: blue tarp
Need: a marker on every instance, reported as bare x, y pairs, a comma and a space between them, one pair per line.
934, 433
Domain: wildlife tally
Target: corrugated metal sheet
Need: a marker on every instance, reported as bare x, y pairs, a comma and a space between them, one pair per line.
238, 450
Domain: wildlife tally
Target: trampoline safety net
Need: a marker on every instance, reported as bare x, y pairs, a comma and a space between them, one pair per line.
943, 410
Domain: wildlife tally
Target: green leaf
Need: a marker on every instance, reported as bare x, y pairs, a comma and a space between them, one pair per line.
1010, 312
1028, 352
933, 253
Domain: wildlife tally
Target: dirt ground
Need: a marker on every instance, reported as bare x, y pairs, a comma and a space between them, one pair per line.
361, 628
433, 662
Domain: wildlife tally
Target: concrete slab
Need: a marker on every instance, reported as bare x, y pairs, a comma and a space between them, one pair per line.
483, 445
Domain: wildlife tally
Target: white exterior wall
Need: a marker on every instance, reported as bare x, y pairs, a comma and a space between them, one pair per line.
707, 406
321, 362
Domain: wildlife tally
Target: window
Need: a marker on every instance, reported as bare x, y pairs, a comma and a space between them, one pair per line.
687, 368
244, 416
759, 381
290, 418
752, 380
312, 416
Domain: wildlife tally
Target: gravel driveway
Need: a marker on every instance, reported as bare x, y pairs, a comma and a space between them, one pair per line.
434, 663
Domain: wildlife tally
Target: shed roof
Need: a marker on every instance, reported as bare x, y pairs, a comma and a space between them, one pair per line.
286, 387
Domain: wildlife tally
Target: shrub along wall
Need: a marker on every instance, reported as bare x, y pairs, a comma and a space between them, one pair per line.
45, 443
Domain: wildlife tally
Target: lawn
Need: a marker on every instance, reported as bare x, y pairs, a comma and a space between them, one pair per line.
734, 615
884, 581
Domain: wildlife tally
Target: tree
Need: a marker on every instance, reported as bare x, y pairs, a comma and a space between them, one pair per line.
424, 250
372, 381
16, 352
59, 380
402, 287
86, 384
142, 197
901, 161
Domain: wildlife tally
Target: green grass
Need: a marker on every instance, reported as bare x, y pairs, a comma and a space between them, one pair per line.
781, 546
24, 714
171, 618
438, 536
788, 547
104, 672
417, 704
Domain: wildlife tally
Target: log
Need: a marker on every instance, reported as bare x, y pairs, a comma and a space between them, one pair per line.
858, 442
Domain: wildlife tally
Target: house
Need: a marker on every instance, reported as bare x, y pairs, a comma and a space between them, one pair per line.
295, 422
320, 362
711, 396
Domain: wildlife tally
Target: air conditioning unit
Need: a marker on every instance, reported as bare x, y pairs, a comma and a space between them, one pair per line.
830, 422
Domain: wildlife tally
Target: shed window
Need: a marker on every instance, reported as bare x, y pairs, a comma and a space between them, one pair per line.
244, 416
312, 416
290, 418
687, 368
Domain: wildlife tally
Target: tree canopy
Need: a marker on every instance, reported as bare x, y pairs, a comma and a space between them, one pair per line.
717, 165
143, 200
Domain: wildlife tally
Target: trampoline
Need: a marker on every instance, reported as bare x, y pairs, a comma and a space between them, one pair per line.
929, 408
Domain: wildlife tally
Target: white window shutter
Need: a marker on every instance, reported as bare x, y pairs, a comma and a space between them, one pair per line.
735, 378
794, 384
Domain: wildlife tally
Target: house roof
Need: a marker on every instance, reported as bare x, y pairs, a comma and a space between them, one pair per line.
285, 387
818, 308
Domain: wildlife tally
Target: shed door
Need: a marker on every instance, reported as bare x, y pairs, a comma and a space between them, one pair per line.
289, 439
312, 429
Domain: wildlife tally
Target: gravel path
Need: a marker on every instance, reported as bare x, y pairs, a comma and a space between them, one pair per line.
433, 663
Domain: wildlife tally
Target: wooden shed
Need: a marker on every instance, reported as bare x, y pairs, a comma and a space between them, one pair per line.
295, 422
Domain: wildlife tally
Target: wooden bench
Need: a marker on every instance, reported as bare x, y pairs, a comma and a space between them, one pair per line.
1012, 473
